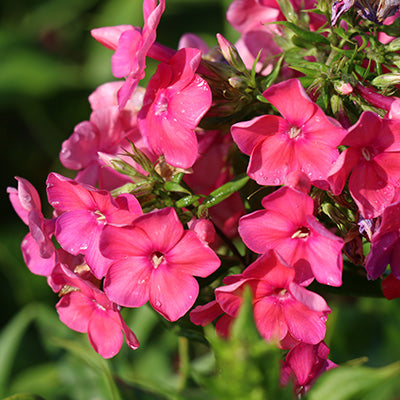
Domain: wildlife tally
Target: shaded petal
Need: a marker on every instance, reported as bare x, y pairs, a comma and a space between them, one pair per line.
365, 131
109, 36
205, 314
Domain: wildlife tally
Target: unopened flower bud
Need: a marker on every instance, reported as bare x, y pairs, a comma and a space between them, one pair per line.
237, 82
230, 53
343, 87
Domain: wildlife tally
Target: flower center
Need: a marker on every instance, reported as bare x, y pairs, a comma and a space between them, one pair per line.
302, 233
157, 258
99, 216
281, 292
366, 153
162, 105
294, 132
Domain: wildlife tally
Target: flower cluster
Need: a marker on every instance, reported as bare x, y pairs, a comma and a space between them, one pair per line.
159, 194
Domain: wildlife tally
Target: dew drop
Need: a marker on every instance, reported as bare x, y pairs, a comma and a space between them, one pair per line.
141, 281
157, 304
65, 153
84, 246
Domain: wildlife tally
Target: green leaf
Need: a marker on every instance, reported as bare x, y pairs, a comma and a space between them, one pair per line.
350, 383
10, 339
24, 396
94, 360
172, 186
224, 191
311, 37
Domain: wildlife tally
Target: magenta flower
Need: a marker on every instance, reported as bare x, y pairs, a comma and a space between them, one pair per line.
84, 213
305, 362
176, 99
296, 235
155, 261
86, 309
373, 162
305, 139
37, 248
131, 46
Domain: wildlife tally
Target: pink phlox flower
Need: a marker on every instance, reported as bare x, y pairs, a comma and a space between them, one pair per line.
385, 244
85, 308
155, 260
294, 232
373, 163
107, 132
176, 99
37, 248
85, 211
305, 139
280, 305
283, 310
305, 363
132, 47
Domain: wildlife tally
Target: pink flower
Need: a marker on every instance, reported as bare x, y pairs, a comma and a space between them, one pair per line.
176, 99
283, 310
305, 362
86, 309
304, 140
37, 248
131, 46
84, 213
372, 161
107, 132
288, 225
155, 261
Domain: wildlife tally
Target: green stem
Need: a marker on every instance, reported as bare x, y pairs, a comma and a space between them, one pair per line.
184, 362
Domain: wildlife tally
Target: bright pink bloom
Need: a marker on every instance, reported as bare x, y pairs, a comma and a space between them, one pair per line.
88, 310
373, 160
288, 225
131, 47
155, 261
37, 248
305, 363
84, 213
176, 99
304, 140
281, 307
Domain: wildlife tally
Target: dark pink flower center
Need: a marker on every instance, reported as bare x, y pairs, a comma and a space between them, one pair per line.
294, 132
302, 233
157, 258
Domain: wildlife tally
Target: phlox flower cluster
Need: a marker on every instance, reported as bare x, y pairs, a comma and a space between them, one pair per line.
158, 199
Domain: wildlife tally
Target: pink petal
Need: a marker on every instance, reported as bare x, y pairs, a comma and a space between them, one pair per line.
109, 36
291, 100
124, 60
191, 256
127, 281
303, 324
105, 333
131, 338
64, 194
75, 310
269, 319
248, 134
341, 169
121, 242
229, 297
204, 315
172, 293
311, 300
365, 131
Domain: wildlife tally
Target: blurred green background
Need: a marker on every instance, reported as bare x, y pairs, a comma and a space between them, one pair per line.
49, 64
